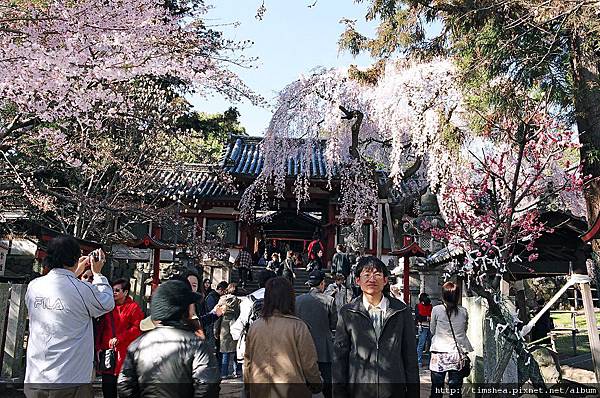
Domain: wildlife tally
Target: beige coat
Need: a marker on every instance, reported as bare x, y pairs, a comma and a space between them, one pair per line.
280, 359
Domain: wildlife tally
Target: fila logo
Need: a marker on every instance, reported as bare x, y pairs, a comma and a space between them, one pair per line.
48, 304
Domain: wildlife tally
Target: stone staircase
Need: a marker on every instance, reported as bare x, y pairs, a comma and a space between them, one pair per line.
300, 285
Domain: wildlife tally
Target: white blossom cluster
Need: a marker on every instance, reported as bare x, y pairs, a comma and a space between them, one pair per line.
403, 115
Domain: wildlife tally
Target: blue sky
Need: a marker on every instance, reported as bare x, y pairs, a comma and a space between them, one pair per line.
291, 40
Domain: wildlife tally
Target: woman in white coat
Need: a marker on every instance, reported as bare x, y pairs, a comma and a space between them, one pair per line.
449, 344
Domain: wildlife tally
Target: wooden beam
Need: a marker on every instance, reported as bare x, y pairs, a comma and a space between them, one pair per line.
590, 317
390, 226
379, 229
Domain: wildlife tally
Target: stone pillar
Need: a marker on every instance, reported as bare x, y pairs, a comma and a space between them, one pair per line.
477, 309
431, 284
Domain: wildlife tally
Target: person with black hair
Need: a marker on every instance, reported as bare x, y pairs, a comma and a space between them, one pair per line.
243, 262
206, 317
280, 359
200, 318
339, 291
116, 331
212, 299
319, 312
275, 264
60, 350
206, 287
449, 344
314, 247
317, 262
375, 349
340, 263
249, 306
227, 345
170, 360
423, 317
288, 267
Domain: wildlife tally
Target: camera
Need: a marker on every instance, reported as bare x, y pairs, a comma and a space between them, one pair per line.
95, 256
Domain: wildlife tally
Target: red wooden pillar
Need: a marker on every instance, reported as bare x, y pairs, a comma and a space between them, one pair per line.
156, 266
244, 233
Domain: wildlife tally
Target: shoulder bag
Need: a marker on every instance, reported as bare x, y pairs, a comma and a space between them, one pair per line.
465, 361
107, 359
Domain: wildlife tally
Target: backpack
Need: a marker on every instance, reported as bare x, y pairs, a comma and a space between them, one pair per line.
255, 312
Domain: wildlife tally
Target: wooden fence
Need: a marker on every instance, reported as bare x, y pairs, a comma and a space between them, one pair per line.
13, 320
13, 327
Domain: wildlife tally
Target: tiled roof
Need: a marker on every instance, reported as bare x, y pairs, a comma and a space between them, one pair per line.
242, 156
193, 182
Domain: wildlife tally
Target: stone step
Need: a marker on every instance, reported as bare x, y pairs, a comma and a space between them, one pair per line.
300, 285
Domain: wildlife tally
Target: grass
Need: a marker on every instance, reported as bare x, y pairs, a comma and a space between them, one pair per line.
565, 321
564, 344
564, 341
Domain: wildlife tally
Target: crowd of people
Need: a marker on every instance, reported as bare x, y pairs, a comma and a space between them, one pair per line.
349, 338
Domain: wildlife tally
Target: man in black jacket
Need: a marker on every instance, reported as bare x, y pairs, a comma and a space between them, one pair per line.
170, 360
375, 347
319, 312
340, 263
212, 299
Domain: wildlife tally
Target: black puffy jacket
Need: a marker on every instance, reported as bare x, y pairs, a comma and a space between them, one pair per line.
169, 362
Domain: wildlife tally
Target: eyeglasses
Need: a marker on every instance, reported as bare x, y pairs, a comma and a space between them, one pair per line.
368, 275
117, 290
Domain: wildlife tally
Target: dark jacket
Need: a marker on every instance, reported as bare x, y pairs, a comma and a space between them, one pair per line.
169, 362
212, 299
320, 314
366, 367
207, 320
340, 264
288, 269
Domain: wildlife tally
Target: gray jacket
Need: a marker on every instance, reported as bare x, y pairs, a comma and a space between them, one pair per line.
364, 366
341, 294
319, 312
442, 340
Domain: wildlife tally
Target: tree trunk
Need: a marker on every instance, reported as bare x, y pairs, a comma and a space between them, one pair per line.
586, 76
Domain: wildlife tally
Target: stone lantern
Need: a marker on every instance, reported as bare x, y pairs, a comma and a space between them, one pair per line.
420, 229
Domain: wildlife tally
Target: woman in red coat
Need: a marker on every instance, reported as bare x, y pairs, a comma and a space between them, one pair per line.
126, 317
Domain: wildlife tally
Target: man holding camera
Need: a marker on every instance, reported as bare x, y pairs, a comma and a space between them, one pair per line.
60, 351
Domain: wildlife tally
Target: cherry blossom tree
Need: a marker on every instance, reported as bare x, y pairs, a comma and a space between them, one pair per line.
493, 211
92, 97
393, 125
492, 183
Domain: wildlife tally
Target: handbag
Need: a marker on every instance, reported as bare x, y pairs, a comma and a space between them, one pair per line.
465, 361
107, 359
